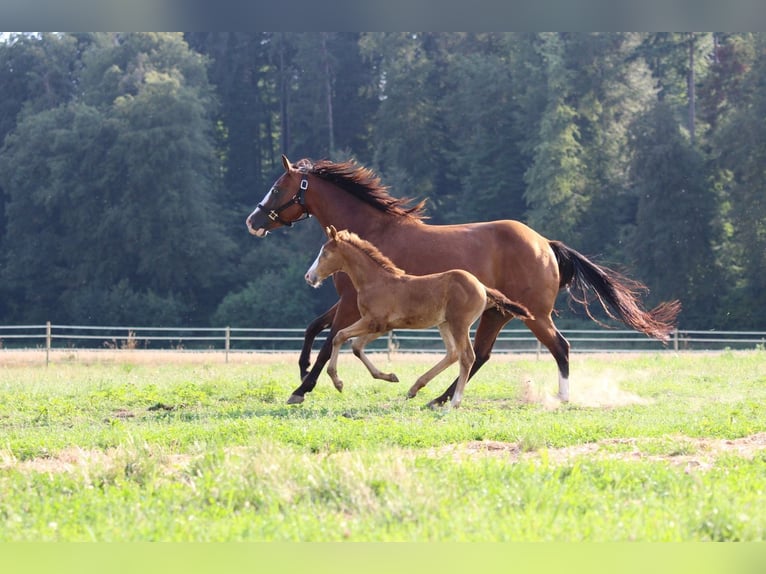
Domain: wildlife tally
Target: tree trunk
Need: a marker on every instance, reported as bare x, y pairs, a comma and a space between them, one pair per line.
690, 87
328, 90
283, 97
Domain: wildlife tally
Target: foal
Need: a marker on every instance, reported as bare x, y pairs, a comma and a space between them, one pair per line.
389, 299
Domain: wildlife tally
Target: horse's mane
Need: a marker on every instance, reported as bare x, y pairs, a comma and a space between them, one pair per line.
362, 183
370, 250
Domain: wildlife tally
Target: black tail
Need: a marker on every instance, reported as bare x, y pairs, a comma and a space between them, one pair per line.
617, 294
507, 307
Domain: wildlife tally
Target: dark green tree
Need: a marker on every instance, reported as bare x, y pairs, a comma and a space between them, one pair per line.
739, 145
556, 179
481, 115
612, 91
36, 73
674, 237
410, 134
247, 71
117, 186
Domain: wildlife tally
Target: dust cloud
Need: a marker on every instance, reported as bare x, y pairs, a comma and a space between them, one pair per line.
602, 390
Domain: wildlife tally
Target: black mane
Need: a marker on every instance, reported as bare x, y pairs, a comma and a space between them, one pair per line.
361, 182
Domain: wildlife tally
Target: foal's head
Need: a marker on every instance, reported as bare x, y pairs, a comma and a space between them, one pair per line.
332, 256
330, 259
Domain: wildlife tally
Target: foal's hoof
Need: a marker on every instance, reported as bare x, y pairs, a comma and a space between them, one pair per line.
339, 386
391, 378
295, 399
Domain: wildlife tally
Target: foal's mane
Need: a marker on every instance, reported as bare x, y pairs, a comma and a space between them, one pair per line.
370, 250
362, 183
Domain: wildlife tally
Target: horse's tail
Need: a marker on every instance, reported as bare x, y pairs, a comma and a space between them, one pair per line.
507, 307
617, 294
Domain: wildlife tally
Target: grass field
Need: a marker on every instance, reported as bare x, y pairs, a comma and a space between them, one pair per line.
654, 447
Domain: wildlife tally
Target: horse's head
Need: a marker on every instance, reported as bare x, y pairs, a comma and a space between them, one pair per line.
328, 261
284, 203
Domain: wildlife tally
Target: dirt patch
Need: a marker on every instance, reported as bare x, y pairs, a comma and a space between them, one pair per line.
696, 453
691, 453
141, 356
75, 459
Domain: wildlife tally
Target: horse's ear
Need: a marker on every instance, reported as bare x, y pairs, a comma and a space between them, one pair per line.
286, 163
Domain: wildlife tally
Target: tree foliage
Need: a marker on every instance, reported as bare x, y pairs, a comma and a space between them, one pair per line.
118, 185
129, 161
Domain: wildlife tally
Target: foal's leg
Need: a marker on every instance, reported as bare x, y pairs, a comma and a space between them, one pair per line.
467, 358
490, 325
449, 358
315, 327
358, 347
360, 328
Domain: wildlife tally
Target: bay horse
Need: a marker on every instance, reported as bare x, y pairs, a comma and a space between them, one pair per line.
388, 298
506, 255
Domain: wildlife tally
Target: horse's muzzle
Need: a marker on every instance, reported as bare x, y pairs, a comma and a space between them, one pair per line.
312, 280
259, 232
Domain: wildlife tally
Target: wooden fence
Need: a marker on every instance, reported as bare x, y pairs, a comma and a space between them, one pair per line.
52, 338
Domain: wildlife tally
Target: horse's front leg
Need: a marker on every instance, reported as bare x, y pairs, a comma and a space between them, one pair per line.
346, 313
315, 327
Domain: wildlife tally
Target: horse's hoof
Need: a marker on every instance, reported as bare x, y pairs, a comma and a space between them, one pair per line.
435, 404
295, 399
562, 398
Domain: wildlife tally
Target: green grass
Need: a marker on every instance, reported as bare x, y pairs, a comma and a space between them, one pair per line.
648, 450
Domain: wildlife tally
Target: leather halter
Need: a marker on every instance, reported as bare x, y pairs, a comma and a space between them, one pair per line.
297, 199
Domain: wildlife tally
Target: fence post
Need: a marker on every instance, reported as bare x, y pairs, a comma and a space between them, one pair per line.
675, 339
228, 343
47, 343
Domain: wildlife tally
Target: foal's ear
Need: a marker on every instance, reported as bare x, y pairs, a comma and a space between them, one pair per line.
286, 163
332, 233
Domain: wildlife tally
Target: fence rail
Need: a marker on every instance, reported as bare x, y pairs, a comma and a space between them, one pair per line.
52, 338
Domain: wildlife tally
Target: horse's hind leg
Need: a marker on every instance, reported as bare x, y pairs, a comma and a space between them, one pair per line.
449, 358
314, 328
486, 334
358, 347
548, 335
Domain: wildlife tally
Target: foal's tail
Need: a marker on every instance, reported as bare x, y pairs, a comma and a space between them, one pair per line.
507, 307
617, 294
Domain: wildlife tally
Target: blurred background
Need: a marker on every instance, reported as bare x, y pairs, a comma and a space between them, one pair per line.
129, 161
